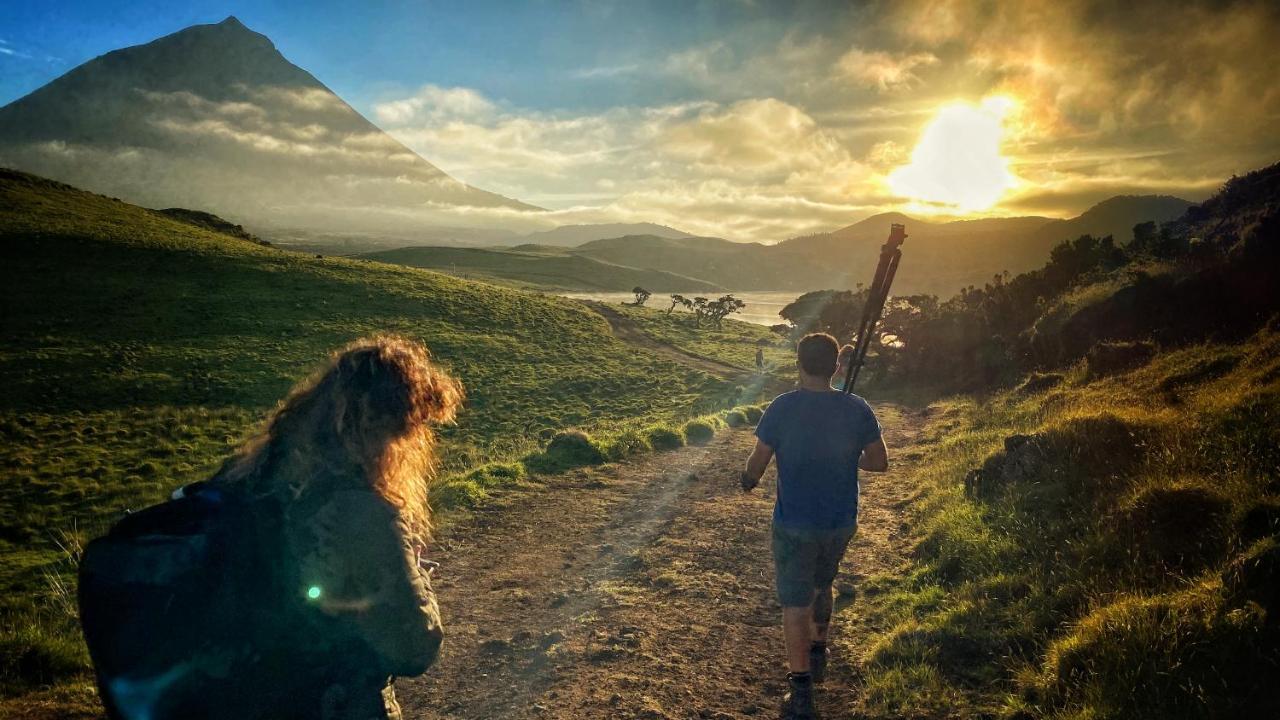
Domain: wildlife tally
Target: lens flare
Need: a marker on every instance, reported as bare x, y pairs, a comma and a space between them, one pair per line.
957, 160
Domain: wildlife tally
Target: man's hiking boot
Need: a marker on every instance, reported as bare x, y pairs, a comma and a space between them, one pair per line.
798, 704
818, 655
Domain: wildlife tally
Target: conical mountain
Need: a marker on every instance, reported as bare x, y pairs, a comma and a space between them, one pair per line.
214, 117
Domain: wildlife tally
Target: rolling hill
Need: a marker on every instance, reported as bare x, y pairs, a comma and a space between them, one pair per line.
572, 235
939, 258
139, 349
214, 117
540, 266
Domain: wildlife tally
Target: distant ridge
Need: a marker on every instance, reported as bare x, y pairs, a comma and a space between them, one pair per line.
213, 116
572, 235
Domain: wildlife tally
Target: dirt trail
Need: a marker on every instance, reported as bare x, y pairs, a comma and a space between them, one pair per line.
641, 590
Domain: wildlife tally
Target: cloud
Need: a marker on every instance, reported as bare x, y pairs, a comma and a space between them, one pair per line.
756, 169
605, 71
881, 70
434, 103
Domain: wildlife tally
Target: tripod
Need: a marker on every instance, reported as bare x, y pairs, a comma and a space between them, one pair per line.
890, 256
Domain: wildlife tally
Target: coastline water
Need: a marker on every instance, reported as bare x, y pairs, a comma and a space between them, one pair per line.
762, 307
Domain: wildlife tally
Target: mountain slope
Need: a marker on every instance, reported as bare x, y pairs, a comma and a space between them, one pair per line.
215, 117
571, 235
542, 267
939, 258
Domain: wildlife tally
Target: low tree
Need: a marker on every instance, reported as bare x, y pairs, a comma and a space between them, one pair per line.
723, 307
676, 300
699, 307
641, 295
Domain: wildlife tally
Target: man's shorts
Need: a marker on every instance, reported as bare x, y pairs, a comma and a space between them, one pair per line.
805, 560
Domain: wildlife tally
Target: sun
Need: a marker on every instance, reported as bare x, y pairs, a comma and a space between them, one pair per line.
957, 161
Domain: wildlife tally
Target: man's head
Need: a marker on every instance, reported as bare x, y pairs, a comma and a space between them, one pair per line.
844, 358
816, 355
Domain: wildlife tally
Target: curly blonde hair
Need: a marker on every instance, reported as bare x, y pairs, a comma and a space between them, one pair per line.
364, 420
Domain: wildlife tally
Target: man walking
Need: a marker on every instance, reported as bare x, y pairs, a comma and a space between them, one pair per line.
821, 438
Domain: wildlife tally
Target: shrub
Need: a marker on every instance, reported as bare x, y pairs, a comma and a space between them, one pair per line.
735, 418
568, 449
753, 413
1255, 576
1037, 382
1109, 358
497, 474
1165, 656
1260, 520
1178, 529
699, 432
1201, 372
628, 444
663, 437
456, 493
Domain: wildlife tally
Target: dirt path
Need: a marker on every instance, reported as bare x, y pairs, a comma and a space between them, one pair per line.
641, 590
626, 329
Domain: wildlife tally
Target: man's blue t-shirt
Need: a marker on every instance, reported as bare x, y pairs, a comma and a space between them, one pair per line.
817, 437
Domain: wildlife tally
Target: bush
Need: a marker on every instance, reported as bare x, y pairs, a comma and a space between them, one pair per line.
663, 437
735, 418
699, 432
753, 413
568, 449
1109, 358
1255, 576
628, 444
456, 493
1037, 382
497, 474
1178, 529
1167, 656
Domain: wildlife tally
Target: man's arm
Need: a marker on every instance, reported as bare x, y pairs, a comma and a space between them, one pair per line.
875, 457
756, 465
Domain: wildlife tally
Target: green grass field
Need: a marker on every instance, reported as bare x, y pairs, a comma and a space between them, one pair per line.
1114, 557
138, 351
734, 344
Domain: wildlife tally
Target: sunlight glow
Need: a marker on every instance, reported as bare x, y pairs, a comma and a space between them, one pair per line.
957, 161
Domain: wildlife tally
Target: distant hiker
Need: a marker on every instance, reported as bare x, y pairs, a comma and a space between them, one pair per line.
291, 584
821, 438
759, 359
842, 368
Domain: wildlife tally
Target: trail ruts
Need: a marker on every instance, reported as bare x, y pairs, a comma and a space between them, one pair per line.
642, 590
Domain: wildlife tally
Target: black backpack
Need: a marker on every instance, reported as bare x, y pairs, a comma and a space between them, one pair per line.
180, 607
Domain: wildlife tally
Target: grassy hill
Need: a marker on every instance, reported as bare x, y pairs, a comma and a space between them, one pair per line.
542, 267
1101, 540
138, 351
1105, 548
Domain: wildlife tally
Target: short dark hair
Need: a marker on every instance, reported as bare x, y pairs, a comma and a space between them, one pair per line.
846, 354
817, 354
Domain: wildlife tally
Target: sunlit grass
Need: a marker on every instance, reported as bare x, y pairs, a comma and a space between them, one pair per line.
1087, 578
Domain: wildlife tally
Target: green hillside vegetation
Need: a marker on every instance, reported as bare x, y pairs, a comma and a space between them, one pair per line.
540, 267
1101, 539
138, 351
1105, 548
735, 343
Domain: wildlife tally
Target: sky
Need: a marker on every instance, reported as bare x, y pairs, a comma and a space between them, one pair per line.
762, 120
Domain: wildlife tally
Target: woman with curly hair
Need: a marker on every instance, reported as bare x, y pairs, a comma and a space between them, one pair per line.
346, 457
292, 583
